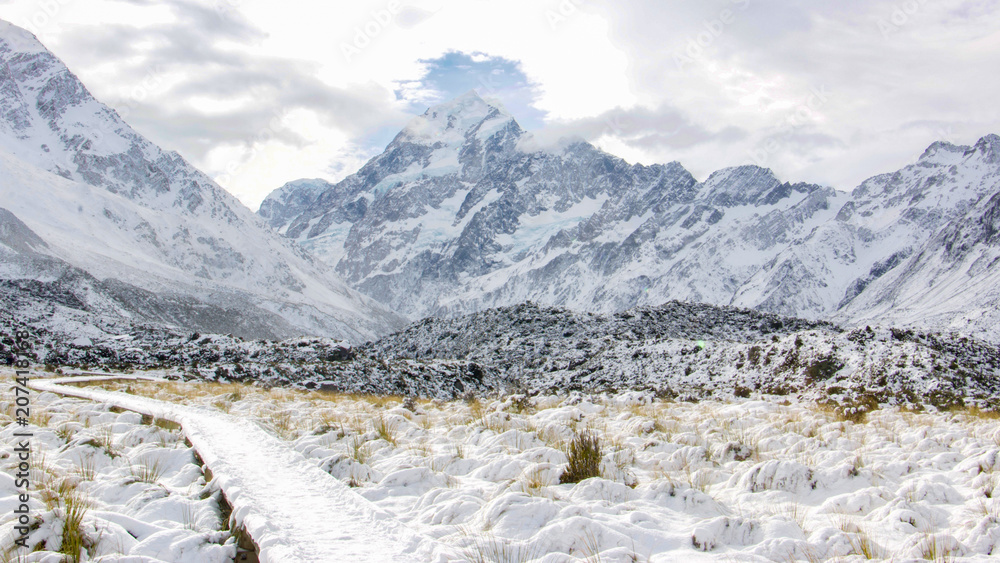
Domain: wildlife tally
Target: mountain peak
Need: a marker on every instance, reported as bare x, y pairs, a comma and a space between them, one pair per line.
942, 152
471, 94
465, 103
452, 120
19, 39
946, 153
108, 204
990, 147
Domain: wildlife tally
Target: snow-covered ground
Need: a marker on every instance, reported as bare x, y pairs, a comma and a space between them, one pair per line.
293, 511
107, 486
750, 480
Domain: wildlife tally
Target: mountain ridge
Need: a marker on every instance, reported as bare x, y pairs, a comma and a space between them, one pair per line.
112, 205
452, 226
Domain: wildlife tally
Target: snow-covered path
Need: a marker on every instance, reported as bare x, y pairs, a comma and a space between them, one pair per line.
293, 510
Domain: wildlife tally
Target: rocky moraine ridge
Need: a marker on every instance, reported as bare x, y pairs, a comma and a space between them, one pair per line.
676, 350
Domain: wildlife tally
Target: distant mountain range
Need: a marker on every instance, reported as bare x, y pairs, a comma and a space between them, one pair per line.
100, 229
464, 211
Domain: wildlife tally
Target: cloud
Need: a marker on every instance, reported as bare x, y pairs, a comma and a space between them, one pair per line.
192, 61
455, 73
190, 79
713, 83
660, 129
743, 76
411, 16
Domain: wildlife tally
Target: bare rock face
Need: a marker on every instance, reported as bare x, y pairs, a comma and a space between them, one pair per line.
464, 211
158, 240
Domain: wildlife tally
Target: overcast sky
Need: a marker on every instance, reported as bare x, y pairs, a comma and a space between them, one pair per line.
257, 93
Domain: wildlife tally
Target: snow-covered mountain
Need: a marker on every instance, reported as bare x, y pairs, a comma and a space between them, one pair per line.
952, 278
881, 260
135, 234
464, 211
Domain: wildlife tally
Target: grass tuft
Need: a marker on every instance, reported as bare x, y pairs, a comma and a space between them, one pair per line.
584, 453
106, 440
359, 450
87, 468
146, 470
864, 545
932, 548
487, 548
74, 541
385, 429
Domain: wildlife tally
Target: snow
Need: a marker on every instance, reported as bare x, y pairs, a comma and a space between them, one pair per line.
484, 475
438, 226
294, 511
330, 244
534, 231
740, 237
82, 452
114, 205
448, 123
490, 127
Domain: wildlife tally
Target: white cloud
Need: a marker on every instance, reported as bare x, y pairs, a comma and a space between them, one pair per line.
714, 83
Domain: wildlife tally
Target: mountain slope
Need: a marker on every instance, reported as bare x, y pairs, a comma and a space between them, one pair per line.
111, 204
463, 212
953, 278
858, 257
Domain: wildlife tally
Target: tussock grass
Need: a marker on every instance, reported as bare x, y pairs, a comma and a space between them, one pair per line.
975, 412
359, 450
40, 417
74, 540
11, 554
534, 481
795, 512
66, 431
933, 548
383, 401
616, 439
487, 548
189, 517
864, 545
591, 547
60, 494
385, 429
584, 454
551, 437
105, 438
165, 424
86, 468
146, 470
54, 489
282, 424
